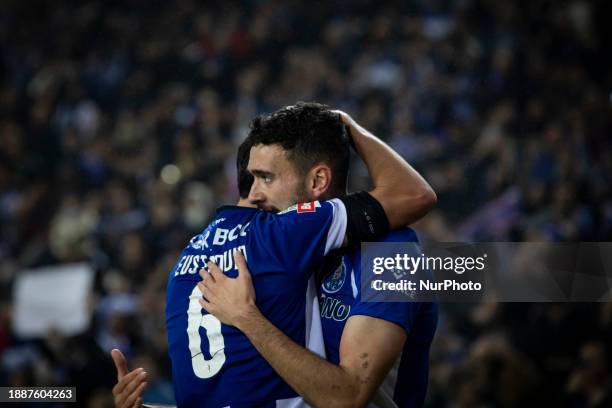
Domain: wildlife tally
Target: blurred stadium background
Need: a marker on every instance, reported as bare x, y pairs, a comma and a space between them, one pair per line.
119, 122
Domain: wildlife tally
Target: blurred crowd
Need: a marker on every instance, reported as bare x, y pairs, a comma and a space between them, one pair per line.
119, 122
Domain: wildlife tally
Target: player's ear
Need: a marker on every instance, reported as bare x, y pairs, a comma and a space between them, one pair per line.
320, 177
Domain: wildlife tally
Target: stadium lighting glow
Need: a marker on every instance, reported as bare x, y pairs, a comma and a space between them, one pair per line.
171, 174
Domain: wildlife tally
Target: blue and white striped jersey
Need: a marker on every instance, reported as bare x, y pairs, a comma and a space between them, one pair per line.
214, 365
340, 298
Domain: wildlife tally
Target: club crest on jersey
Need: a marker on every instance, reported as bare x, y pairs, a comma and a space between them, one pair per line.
334, 282
199, 241
306, 207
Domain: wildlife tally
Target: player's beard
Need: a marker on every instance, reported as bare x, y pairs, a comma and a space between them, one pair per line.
302, 195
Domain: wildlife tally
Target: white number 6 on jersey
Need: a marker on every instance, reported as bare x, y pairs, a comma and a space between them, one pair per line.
202, 367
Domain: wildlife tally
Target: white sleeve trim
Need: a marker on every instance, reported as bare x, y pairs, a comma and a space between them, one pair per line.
353, 284
337, 229
314, 329
296, 402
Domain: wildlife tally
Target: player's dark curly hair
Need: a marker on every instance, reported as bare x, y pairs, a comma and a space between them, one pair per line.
311, 134
245, 179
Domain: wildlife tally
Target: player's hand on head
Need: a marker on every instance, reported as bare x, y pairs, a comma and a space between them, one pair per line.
349, 123
345, 117
127, 393
229, 300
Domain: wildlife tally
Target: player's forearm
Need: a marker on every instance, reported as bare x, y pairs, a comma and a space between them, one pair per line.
317, 380
401, 190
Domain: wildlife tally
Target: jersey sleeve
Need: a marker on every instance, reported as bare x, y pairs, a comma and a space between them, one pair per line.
300, 236
400, 313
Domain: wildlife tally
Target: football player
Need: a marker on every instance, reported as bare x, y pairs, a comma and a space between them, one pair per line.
377, 352
215, 364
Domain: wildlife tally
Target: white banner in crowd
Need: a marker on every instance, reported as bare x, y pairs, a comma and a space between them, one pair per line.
54, 297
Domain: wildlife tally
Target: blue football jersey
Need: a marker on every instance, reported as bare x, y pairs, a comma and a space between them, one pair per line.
214, 365
340, 298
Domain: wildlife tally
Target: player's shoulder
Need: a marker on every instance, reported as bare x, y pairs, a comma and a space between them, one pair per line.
401, 235
303, 208
231, 214
233, 210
